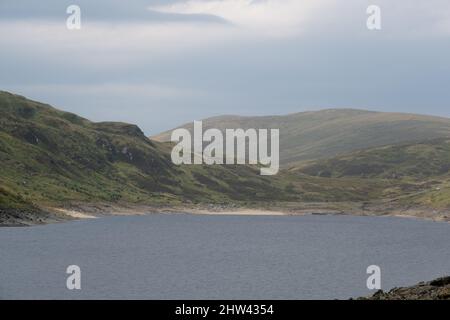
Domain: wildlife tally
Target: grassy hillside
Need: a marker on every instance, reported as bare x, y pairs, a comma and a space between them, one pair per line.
418, 173
414, 160
50, 157
327, 133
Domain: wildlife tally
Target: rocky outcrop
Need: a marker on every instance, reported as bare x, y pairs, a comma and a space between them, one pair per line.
438, 289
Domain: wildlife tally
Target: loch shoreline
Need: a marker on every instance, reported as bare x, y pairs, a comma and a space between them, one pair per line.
58, 214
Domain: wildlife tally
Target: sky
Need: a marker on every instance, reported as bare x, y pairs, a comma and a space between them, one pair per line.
160, 64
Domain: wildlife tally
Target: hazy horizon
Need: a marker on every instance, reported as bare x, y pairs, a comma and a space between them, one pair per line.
305, 110
160, 64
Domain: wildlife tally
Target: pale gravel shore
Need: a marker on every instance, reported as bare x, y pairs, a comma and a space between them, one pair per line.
91, 211
72, 213
244, 212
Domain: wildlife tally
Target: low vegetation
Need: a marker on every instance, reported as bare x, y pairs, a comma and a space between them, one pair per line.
413, 173
328, 133
52, 158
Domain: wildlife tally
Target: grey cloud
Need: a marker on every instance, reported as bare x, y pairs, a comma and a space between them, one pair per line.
95, 11
338, 63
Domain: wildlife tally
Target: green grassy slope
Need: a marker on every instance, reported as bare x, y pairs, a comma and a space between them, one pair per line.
327, 133
54, 158
50, 157
419, 173
415, 160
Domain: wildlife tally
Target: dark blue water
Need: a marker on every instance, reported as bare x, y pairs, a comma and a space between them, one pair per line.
220, 257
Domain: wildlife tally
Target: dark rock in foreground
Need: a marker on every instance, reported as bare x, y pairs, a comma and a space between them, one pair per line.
438, 289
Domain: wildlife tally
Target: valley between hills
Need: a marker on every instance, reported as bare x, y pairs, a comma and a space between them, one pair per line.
58, 166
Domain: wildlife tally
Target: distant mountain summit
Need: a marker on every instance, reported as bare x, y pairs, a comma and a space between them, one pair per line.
327, 133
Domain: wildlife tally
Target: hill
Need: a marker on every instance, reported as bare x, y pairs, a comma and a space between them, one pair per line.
420, 160
327, 133
53, 158
420, 172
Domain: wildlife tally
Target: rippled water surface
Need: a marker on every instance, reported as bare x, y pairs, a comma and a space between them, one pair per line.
220, 257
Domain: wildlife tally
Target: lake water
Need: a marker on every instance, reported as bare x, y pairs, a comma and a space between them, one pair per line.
220, 257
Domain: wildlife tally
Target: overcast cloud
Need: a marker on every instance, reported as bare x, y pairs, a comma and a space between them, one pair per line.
163, 63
